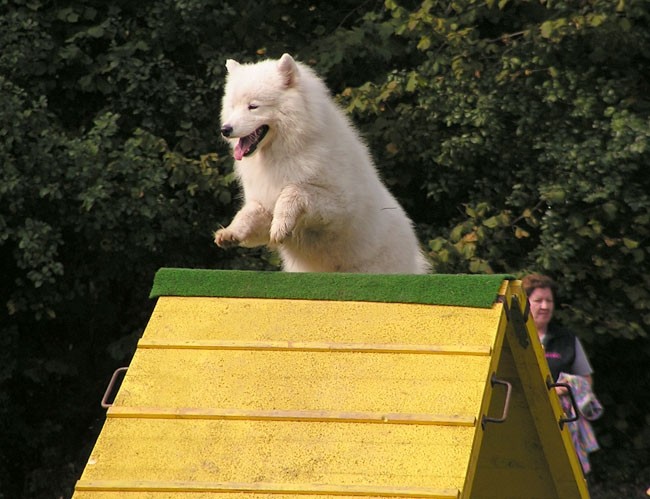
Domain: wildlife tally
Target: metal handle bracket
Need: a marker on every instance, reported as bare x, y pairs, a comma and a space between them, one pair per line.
506, 406
574, 404
111, 387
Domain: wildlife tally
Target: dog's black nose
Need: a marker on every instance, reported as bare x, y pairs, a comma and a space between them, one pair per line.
226, 130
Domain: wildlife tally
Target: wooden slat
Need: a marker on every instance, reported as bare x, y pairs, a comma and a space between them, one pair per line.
266, 488
305, 380
178, 319
312, 346
289, 452
279, 415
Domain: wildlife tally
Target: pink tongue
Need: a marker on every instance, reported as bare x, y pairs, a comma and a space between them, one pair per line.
238, 152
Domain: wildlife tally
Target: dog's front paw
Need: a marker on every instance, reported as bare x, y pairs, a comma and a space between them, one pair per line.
280, 232
226, 238
288, 210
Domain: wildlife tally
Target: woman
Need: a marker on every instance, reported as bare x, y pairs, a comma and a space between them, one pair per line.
563, 350
567, 361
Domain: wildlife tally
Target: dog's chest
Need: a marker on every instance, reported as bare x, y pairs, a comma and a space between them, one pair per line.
260, 182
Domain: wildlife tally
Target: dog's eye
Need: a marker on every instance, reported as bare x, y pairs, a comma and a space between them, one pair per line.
251, 107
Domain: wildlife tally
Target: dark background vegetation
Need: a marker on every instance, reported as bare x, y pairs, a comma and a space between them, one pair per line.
516, 134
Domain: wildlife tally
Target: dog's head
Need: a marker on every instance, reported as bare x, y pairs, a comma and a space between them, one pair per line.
257, 99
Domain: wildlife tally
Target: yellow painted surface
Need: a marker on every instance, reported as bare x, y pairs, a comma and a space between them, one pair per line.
488, 407
272, 399
287, 398
374, 382
177, 319
527, 456
546, 411
293, 453
511, 453
95, 493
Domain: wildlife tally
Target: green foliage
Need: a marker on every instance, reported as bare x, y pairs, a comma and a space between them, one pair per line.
535, 118
111, 168
519, 131
86, 220
515, 133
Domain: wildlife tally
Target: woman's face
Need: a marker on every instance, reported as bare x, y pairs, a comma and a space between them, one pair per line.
541, 306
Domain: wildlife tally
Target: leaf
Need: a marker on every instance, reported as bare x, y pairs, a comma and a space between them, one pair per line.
630, 243
610, 210
596, 20
68, 15
546, 29
390, 4
96, 31
456, 233
424, 43
470, 237
491, 222
392, 148
412, 82
521, 233
555, 194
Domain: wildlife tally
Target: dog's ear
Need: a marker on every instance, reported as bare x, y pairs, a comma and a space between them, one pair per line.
232, 65
288, 69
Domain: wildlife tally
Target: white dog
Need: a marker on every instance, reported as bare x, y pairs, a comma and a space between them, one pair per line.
310, 188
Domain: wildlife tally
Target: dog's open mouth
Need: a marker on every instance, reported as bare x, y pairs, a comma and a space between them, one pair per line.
247, 145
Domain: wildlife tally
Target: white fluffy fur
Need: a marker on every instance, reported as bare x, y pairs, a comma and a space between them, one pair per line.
311, 190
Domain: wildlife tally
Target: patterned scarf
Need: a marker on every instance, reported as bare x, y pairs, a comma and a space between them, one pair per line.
582, 434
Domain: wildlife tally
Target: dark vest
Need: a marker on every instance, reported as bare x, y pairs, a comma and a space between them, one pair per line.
560, 350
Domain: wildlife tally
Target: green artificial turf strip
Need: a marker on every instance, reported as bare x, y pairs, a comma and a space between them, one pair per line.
461, 290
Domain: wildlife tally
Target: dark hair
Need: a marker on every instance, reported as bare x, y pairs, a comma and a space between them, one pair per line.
533, 281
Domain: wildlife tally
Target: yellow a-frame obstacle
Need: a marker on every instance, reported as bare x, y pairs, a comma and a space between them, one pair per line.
277, 385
